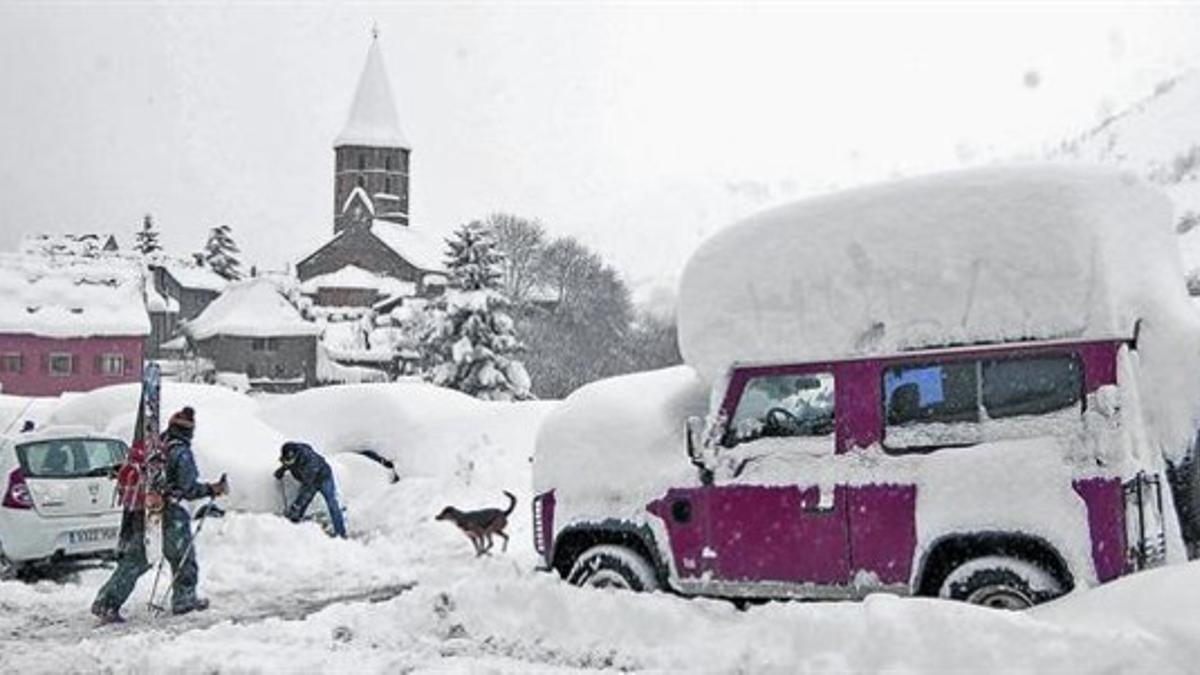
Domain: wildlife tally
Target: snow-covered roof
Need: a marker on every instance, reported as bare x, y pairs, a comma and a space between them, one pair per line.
995, 254
353, 276
414, 245
66, 243
362, 194
373, 120
65, 304
251, 308
192, 276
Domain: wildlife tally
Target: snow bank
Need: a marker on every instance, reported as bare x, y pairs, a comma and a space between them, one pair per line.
230, 438
620, 441
987, 255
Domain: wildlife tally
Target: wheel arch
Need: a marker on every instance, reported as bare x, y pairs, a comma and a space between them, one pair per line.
949, 551
571, 542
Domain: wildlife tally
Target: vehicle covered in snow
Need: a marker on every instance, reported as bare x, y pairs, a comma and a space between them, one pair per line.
968, 385
59, 496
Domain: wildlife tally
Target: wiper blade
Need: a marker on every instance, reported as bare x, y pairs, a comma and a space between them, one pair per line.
101, 471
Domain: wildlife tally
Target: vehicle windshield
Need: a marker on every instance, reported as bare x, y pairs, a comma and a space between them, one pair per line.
70, 457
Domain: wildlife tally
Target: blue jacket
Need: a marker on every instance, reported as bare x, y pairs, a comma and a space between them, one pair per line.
309, 468
182, 479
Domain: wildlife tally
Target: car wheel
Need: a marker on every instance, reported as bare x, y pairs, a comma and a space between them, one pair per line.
9, 570
611, 566
1000, 582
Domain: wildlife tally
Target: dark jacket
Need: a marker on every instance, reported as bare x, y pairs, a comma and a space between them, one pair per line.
182, 479
309, 468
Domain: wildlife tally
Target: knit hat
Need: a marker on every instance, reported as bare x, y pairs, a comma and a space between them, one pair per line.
184, 419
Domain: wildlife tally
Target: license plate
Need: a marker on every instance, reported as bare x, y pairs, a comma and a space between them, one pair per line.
92, 536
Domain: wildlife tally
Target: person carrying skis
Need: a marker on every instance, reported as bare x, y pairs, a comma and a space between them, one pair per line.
314, 475
131, 542
182, 484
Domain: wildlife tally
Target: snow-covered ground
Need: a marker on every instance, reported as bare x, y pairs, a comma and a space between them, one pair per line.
405, 594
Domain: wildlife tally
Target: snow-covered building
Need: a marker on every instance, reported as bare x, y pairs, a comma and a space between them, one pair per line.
252, 329
69, 330
371, 227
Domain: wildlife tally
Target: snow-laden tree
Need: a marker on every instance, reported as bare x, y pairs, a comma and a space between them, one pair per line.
473, 341
220, 253
146, 240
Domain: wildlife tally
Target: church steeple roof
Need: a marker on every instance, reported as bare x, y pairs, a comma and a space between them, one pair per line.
373, 120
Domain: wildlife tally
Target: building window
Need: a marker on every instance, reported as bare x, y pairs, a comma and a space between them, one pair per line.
361, 181
263, 344
12, 363
60, 365
387, 185
251, 371
279, 372
110, 364
387, 162
362, 162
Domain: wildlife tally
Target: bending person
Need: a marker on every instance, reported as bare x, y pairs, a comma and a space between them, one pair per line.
314, 475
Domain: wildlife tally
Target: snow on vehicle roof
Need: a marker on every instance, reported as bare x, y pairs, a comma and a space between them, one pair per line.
71, 303
417, 247
252, 308
985, 255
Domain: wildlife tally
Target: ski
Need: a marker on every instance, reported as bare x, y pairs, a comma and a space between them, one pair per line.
146, 433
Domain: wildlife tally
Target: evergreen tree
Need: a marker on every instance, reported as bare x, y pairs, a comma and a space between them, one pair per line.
146, 240
220, 253
473, 340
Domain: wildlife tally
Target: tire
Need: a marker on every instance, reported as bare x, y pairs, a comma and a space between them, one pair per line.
9, 570
1000, 582
612, 566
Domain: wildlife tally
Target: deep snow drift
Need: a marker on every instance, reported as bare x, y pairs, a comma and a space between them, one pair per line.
406, 594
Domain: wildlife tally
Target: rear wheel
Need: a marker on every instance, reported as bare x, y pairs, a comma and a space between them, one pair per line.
1000, 582
612, 566
9, 570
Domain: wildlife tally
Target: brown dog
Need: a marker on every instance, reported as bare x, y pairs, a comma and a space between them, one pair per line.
480, 525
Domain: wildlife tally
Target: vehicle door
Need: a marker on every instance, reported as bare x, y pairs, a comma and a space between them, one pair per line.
71, 476
776, 511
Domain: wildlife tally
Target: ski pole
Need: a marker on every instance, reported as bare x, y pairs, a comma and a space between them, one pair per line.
187, 550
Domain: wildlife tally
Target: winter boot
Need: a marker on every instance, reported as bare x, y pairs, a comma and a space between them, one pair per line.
106, 614
197, 605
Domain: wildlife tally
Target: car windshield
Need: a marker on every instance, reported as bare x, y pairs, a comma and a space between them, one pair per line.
70, 457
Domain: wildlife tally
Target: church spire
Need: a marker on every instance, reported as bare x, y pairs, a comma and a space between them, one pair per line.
373, 120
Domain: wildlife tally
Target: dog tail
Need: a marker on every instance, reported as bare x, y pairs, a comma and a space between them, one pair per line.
512, 502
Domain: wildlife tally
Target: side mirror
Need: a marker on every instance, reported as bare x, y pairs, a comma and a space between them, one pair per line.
694, 430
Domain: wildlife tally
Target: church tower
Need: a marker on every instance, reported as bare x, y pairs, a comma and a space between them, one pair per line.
371, 154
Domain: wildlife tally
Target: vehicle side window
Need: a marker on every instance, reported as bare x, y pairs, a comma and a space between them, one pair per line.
783, 406
960, 403
1013, 387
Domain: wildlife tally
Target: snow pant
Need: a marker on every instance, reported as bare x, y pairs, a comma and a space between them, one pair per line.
328, 490
131, 561
181, 554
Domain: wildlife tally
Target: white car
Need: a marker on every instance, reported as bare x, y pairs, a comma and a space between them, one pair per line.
59, 500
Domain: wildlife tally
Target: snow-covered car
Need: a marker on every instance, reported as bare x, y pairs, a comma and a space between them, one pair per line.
968, 386
58, 501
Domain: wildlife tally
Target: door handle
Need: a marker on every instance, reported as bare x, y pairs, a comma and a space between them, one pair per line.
824, 502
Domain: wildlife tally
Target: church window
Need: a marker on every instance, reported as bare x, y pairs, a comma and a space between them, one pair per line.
361, 181
387, 162
387, 182
362, 162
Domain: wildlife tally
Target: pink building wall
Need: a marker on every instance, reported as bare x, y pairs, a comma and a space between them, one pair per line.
34, 379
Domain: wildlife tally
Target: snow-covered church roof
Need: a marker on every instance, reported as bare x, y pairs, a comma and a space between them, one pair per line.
252, 308
373, 120
986, 255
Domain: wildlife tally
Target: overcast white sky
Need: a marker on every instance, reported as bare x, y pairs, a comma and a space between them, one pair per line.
637, 127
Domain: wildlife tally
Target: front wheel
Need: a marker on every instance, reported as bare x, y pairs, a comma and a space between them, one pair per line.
1000, 582
612, 566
